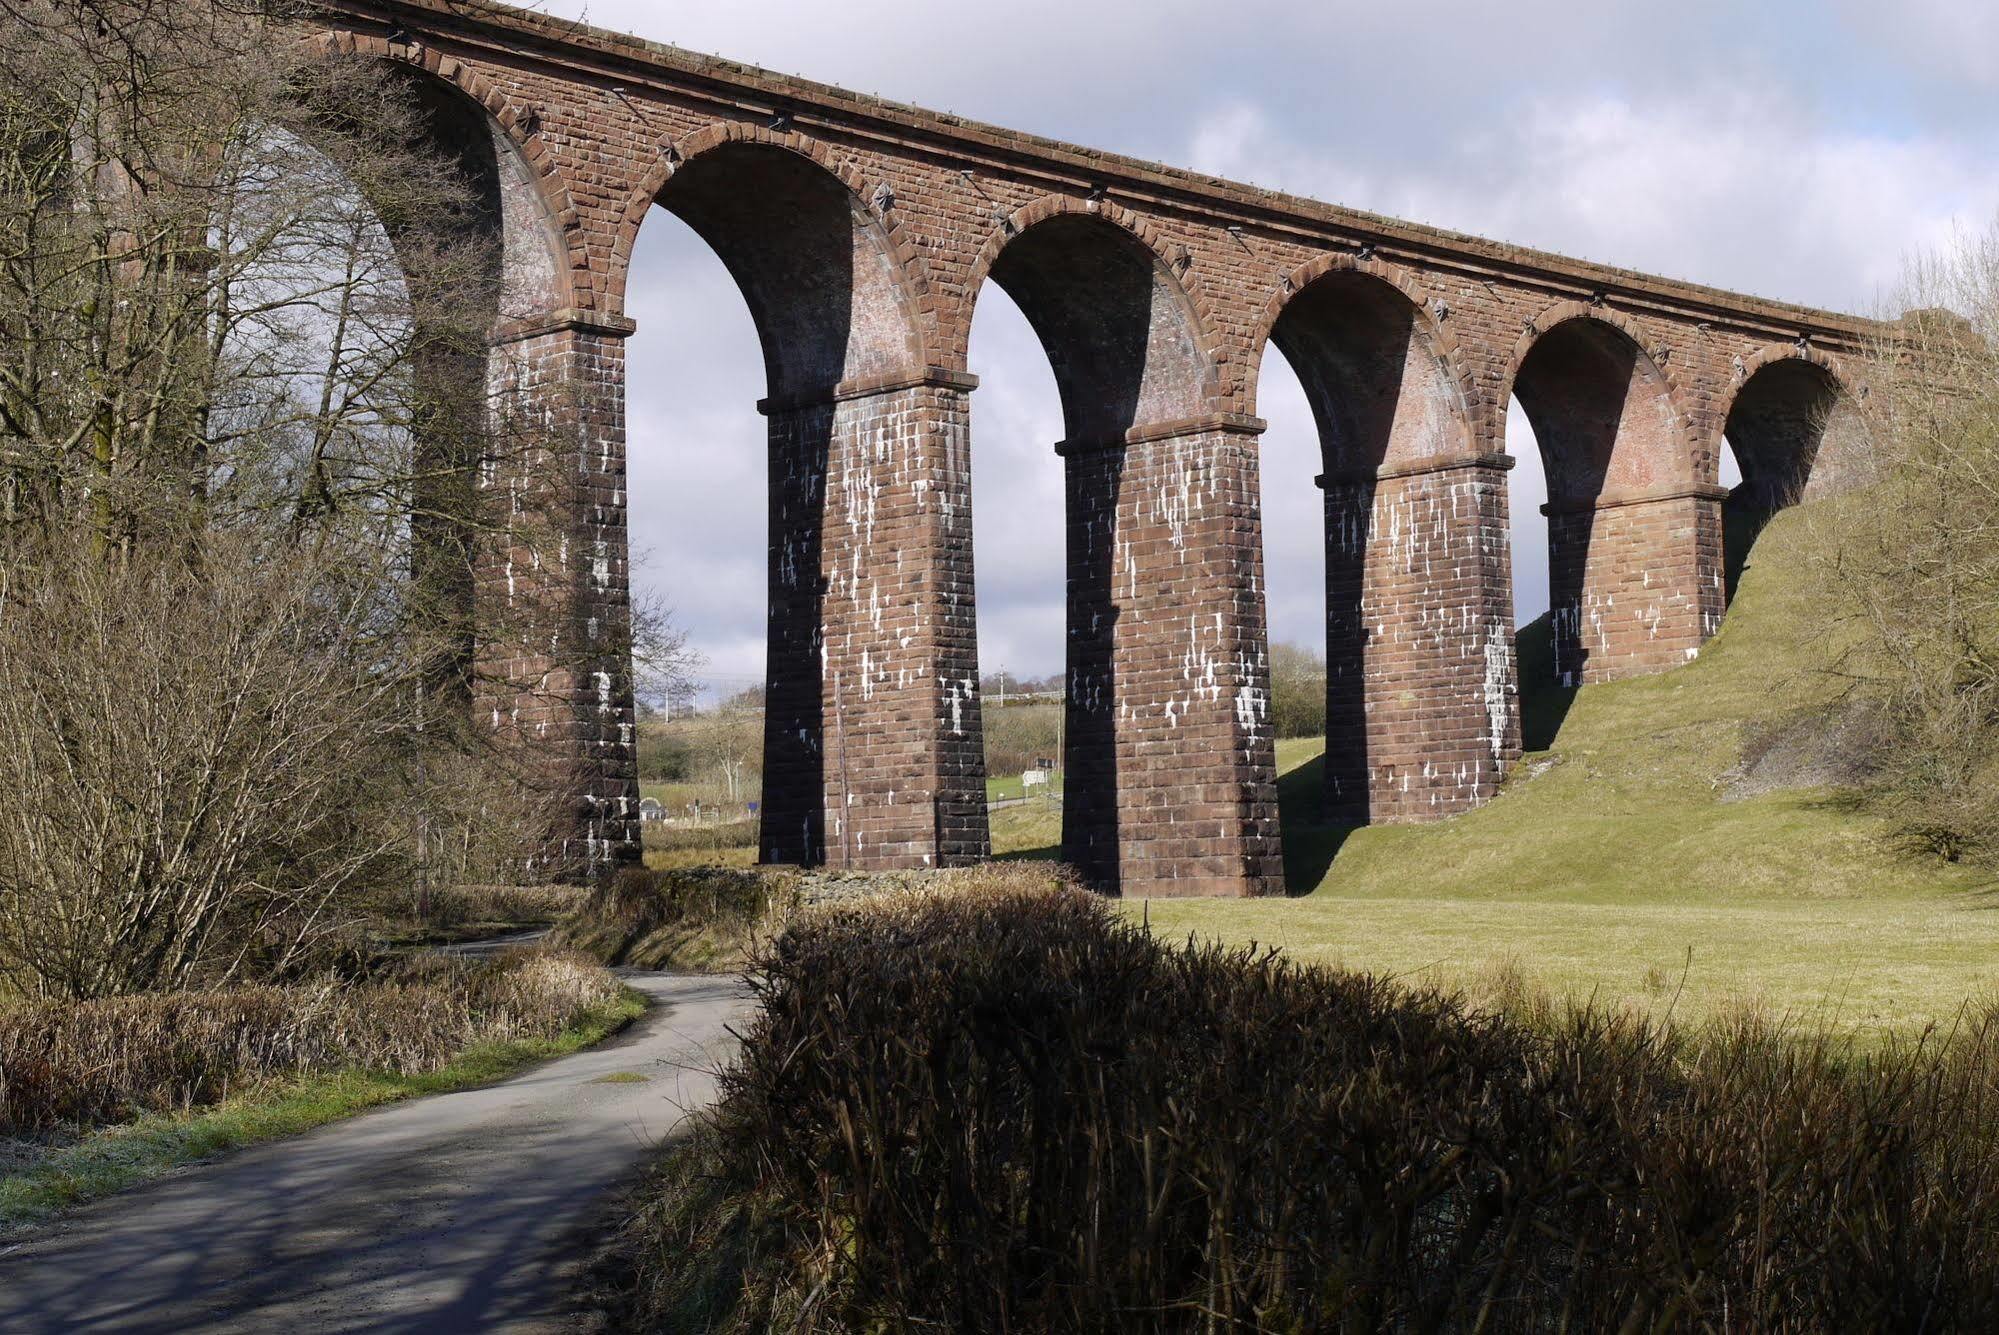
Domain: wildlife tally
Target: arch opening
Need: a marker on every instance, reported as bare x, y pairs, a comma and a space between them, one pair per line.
1605, 424
1777, 429
849, 648
1295, 583
1394, 442
1022, 569
1544, 700
697, 483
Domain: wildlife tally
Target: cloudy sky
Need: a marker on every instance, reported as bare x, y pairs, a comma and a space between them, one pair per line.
1785, 148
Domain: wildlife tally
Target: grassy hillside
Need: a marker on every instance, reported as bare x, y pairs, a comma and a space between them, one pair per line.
1625, 862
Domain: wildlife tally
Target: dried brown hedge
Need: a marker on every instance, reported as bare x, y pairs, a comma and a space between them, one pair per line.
694, 920
102, 1062
1020, 1112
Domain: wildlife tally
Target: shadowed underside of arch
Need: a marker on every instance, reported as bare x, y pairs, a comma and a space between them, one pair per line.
1795, 436
830, 304
1420, 719
1119, 332
1168, 749
1634, 540
1602, 411
1367, 357
872, 739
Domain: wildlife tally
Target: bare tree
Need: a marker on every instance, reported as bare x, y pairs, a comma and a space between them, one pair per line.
664, 660
734, 739
1911, 559
193, 762
1297, 691
245, 306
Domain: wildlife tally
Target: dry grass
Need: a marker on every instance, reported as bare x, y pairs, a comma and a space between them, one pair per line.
711, 919
1013, 1110
471, 912
101, 1062
671, 848
44, 1175
693, 920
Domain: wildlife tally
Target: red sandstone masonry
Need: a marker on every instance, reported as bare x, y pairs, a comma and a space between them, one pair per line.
1637, 583
873, 745
1179, 796
1422, 711
1171, 753
555, 580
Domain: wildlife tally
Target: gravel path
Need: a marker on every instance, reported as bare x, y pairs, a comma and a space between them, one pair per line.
460, 1212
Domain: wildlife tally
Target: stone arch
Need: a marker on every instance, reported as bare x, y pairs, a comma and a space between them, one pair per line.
860, 455
1608, 416
1129, 339
545, 257
1382, 373
837, 295
1164, 641
1632, 538
909, 258
1783, 402
1406, 494
517, 220
1790, 420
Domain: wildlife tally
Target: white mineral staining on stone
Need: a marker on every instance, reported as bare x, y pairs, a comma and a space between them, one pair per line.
958, 694
1252, 707
1496, 689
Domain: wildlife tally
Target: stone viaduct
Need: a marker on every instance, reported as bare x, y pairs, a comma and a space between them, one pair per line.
862, 233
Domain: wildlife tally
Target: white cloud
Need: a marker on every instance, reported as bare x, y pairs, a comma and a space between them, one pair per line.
1951, 38
1734, 190
697, 459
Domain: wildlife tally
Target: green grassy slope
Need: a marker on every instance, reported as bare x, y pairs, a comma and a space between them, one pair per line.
1612, 854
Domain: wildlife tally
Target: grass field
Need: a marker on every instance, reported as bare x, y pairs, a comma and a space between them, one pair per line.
1012, 787
1612, 867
